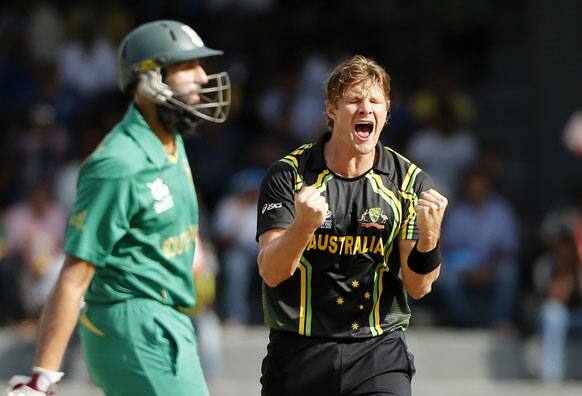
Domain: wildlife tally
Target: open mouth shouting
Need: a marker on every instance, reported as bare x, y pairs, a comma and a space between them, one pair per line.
364, 130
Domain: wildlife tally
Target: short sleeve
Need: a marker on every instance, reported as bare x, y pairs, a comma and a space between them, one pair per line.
276, 207
420, 182
100, 218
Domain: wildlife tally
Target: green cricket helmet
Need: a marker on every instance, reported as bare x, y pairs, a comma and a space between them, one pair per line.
153, 46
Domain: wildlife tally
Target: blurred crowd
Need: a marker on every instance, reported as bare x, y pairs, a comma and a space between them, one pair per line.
59, 98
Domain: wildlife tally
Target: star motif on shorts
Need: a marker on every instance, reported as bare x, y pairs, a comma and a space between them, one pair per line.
339, 301
355, 284
355, 326
367, 295
361, 307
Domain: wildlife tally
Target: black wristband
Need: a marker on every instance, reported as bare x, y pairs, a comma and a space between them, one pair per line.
423, 263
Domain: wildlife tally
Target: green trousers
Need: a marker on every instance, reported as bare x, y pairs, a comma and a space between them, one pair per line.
141, 347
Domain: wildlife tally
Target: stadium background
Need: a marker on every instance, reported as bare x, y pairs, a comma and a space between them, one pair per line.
511, 68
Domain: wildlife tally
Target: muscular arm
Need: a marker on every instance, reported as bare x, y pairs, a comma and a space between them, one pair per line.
280, 252
417, 285
281, 249
61, 312
430, 210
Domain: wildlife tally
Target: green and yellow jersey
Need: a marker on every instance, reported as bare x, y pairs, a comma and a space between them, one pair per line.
136, 218
347, 282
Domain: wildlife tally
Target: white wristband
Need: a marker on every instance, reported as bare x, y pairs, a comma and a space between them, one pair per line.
46, 378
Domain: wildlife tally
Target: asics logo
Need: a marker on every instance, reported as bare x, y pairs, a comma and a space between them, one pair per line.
271, 206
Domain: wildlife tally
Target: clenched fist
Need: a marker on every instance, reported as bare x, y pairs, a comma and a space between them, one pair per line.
430, 211
310, 208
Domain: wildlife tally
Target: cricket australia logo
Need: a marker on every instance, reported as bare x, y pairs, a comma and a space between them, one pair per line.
374, 217
161, 193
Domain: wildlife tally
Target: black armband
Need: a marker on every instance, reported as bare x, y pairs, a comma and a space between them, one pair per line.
423, 263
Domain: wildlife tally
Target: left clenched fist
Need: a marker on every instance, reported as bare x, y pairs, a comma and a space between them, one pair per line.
430, 211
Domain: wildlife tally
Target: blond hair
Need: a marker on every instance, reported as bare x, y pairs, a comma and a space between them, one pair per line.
356, 70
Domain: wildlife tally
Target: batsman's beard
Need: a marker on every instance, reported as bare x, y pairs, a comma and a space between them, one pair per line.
177, 120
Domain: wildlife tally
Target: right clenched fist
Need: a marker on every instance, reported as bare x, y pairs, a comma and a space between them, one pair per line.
310, 208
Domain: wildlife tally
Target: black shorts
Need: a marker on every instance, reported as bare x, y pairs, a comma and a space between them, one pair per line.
297, 365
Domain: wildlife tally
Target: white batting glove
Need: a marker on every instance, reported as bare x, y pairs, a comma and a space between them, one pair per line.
42, 383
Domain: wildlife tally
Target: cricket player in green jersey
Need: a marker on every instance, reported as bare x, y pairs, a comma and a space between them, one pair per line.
131, 236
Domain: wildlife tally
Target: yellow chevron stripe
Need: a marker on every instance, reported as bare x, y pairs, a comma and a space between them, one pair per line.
411, 224
388, 192
292, 156
320, 179
292, 159
303, 298
298, 182
388, 196
84, 319
398, 154
407, 177
377, 319
413, 180
301, 149
410, 215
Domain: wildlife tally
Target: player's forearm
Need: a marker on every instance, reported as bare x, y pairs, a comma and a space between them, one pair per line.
427, 242
417, 285
60, 314
278, 260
